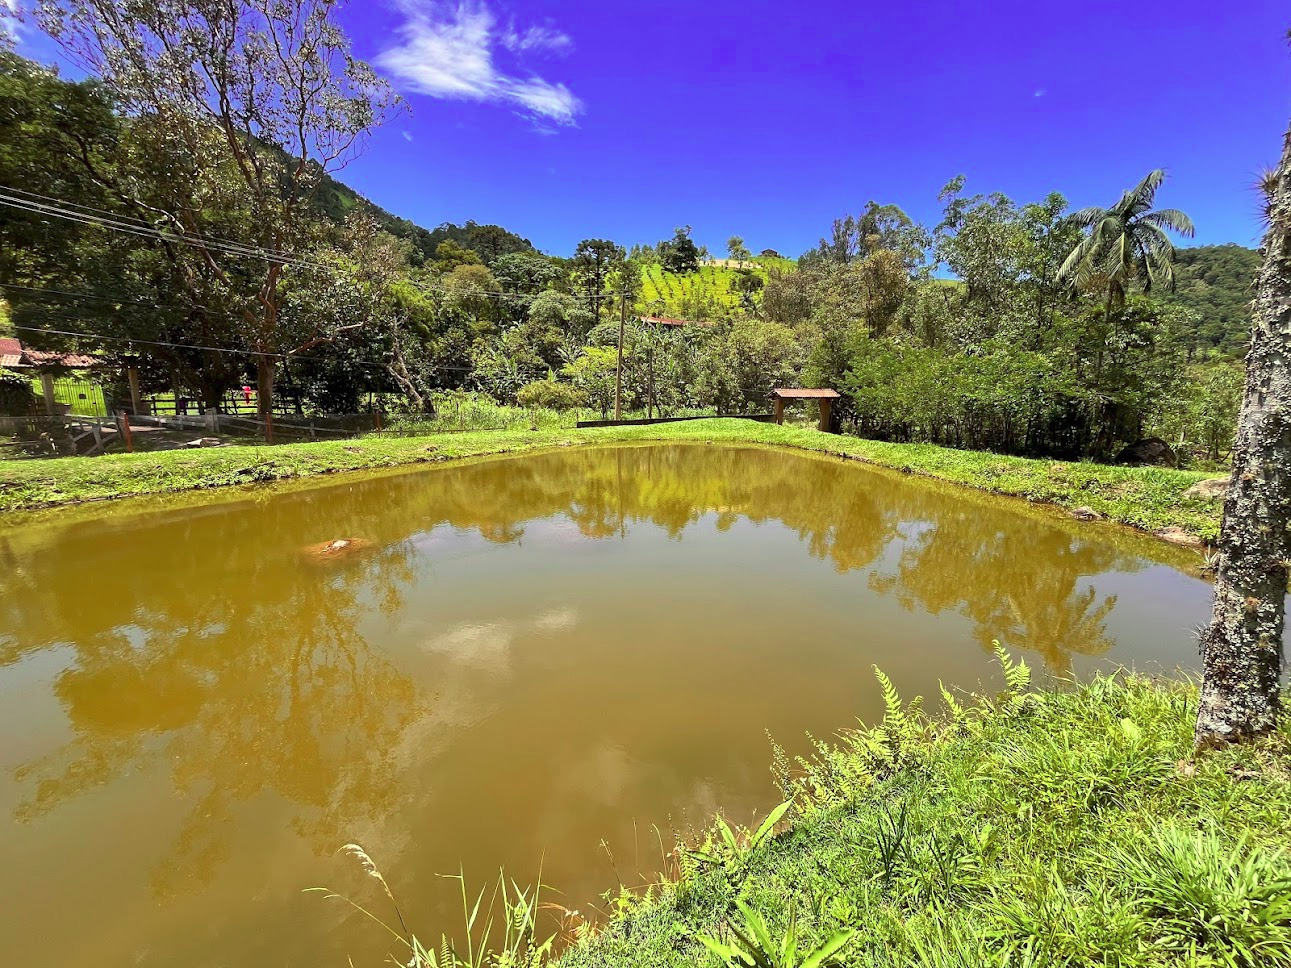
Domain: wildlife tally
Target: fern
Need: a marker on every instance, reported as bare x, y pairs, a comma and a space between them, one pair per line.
1017, 675
956, 710
894, 714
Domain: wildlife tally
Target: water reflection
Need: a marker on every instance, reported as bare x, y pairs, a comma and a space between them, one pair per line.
527, 653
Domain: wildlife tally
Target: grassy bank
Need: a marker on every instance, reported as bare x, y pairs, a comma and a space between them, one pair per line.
1147, 498
1032, 829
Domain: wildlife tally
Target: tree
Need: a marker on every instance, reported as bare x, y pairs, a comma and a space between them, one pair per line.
679, 254
738, 251
1126, 243
878, 227
593, 260
262, 98
1241, 650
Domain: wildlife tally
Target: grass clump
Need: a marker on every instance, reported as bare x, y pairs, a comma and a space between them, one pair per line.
1034, 828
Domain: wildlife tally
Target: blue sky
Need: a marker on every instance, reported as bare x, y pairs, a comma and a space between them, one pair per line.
568, 119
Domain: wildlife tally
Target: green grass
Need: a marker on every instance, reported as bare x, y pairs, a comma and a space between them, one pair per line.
1056, 829
1146, 498
83, 397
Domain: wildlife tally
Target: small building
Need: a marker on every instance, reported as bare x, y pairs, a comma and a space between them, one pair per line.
672, 322
43, 364
826, 399
15, 356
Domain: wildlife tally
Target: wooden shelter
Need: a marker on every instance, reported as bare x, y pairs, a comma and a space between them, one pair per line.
826, 398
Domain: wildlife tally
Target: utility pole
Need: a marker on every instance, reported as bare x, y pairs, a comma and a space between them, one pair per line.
618, 370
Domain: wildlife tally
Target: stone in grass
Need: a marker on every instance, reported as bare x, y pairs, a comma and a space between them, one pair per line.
204, 442
1180, 537
1086, 513
1211, 489
1149, 451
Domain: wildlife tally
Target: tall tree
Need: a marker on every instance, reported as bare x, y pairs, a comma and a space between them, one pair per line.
680, 254
593, 260
1242, 648
1126, 243
738, 251
261, 98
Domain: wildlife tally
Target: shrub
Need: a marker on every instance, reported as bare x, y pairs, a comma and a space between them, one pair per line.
551, 395
16, 396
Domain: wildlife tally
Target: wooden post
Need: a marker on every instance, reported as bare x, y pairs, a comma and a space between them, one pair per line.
779, 410
824, 414
123, 421
98, 435
376, 419
132, 376
618, 370
47, 388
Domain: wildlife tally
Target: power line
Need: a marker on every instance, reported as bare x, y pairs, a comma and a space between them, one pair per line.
90, 216
435, 367
110, 297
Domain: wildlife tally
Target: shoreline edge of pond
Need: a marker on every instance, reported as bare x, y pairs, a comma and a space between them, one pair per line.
1145, 498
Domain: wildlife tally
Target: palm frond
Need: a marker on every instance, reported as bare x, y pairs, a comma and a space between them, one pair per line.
1173, 220
1157, 256
1145, 191
1088, 216
1073, 266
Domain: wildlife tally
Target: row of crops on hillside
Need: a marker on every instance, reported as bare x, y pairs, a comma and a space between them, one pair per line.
695, 295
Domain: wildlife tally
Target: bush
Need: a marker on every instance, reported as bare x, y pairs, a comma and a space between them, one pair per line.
17, 398
551, 395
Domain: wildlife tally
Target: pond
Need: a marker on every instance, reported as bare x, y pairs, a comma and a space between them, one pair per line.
559, 659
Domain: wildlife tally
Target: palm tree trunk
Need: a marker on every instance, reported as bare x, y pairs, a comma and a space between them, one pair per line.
1242, 648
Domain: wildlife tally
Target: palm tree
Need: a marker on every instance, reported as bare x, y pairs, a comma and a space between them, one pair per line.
1126, 242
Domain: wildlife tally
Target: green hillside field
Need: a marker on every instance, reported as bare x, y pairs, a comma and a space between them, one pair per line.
697, 295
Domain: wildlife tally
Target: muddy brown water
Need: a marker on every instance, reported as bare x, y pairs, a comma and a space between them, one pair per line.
523, 661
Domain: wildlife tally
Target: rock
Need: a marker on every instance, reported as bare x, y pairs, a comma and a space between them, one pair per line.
1212, 489
1179, 536
335, 550
430, 447
204, 442
1149, 450
1086, 513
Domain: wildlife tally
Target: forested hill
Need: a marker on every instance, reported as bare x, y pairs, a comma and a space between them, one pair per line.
336, 200
1215, 282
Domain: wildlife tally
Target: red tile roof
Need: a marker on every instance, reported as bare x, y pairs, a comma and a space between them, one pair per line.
803, 393
75, 361
13, 353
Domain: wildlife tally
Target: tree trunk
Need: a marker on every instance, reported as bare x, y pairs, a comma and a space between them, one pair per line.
1242, 649
398, 370
264, 393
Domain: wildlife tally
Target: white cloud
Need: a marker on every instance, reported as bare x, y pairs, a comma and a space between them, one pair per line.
449, 52
407, 135
1039, 92
537, 38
